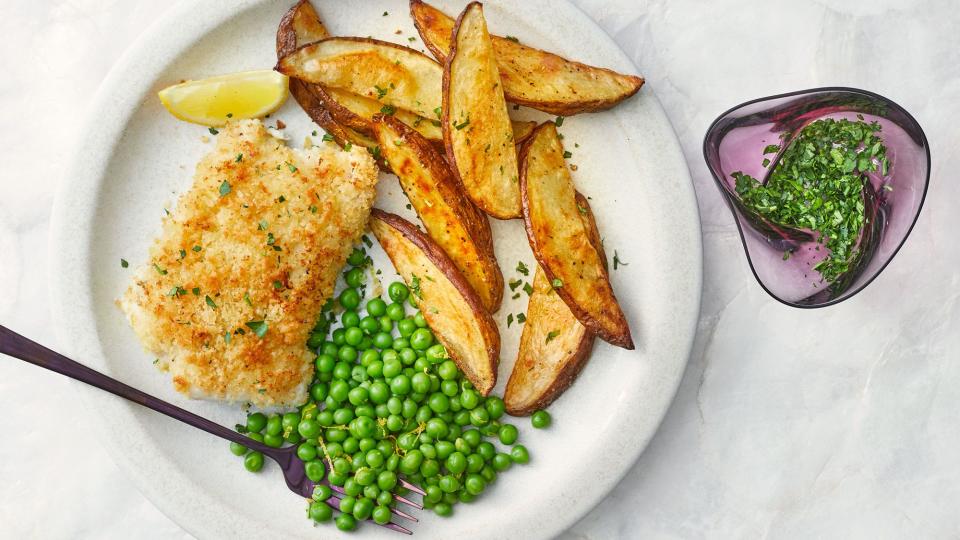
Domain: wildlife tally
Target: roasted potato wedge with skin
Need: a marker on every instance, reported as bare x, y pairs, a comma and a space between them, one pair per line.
301, 25
531, 77
477, 131
561, 242
451, 220
554, 346
357, 112
390, 73
451, 307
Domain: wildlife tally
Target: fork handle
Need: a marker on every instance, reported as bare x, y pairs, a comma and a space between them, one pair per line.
17, 346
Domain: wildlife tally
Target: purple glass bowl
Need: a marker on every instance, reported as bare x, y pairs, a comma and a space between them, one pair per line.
735, 142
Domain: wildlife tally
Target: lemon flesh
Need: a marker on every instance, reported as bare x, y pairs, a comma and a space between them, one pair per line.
214, 101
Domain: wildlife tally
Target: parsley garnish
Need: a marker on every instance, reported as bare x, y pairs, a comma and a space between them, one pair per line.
522, 268
277, 284
196, 291
259, 327
124, 263
326, 137
567, 154
270, 239
224, 188
509, 320
380, 91
239, 158
818, 186
438, 111
514, 283
462, 125
213, 131
415, 286
183, 254
771, 149
226, 337
246, 298
177, 291
551, 335
527, 288
347, 147
557, 283
388, 109
513, 39
617, 262
367, 241
161, 271
210, 302
291, 167
558, 121
521, 318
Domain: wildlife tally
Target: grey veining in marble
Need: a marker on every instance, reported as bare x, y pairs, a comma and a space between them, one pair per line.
838, 422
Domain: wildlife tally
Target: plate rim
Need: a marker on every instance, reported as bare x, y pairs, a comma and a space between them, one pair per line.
86, 168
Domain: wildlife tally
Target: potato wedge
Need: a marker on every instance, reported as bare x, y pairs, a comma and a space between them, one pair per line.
476, 127
554, 345
531, 77
451, 307
561, 242
387, 72
357, 112
301, 25
451, 220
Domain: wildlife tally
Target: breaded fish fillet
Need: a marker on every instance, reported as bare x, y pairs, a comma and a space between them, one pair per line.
237, 278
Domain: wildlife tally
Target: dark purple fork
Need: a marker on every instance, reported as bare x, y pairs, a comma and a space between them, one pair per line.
17, 346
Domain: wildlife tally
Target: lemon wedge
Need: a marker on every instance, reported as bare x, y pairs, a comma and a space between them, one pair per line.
214, 101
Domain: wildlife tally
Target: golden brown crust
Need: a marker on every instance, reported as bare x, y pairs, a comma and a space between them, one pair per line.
477, 132
451, 220
452, 308
561, 242
532, 77
299, 25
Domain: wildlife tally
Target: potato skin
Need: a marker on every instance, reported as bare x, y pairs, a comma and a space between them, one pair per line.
598, 308
532, 77
471, 303
451, 220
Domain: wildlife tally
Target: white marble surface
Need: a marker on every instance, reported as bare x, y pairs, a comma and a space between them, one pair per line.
790, 424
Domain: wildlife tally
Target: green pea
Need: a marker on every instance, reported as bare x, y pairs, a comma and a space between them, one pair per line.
253, 461
434, 494
479, 417
309, 429
338, 338
469, 399
456, 463
325, 418
387, 480
443, 509
334, 449
379, 392
359, 395
408, 356
315, 470
345, 522
330, 348
449, 484
475, 463
368, 357
419, 320
392, 368
382, 340
430, 467
449, 388
319, 391
274, 425
320, 511
488, 474
396, 312
322, 492
519, 454
448, 370
541, 419
508, 434
436, 353
350, 319
374, 458
439, 403
347, 504
400, 343
381, 514
336, 435
386, 324
420, 383
406, 327
336, 479
465, 496
238, 449
462, 418
349, 298
475, 484
352, 488
501, 462
376, 307
357, 257
369, 324
429, 451
307, 452
355, 277
352, 337
363, 508
398, 291
256, 422
363, 427
375, 369
409, 408
437, 428
351, 445
400, 385
424, 414
495, 407
315, 340
342, 369
385, 498
461, 445
486, 450
421, 339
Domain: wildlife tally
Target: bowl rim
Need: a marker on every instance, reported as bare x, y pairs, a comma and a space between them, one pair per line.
718, 181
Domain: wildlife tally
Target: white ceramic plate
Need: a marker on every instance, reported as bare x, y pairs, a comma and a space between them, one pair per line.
135, 159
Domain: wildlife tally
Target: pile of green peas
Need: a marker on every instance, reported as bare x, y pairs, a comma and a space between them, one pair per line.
386, 400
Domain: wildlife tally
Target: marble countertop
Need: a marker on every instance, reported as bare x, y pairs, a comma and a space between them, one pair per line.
788, 423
